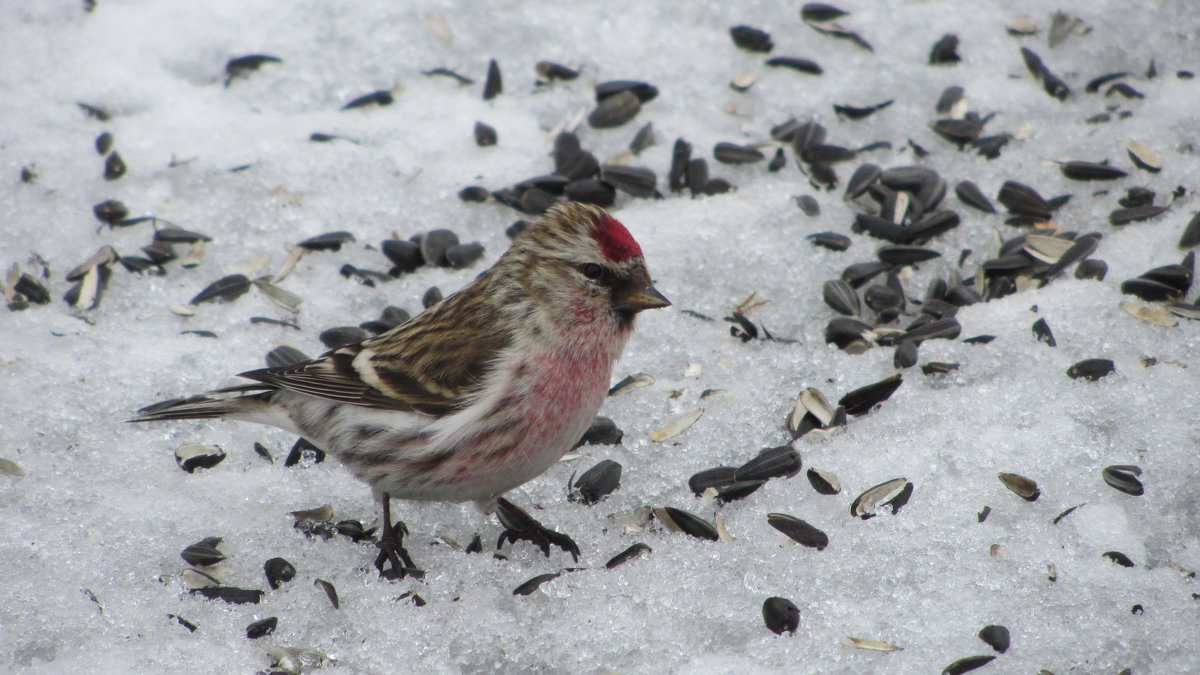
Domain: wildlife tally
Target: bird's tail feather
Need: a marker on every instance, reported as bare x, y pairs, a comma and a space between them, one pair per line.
204, 407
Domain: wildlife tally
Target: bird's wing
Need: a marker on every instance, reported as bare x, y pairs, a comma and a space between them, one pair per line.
431, 364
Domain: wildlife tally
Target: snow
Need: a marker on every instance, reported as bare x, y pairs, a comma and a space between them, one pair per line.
90, 534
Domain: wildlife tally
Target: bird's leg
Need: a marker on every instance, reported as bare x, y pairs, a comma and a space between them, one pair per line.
520, 525
393, 562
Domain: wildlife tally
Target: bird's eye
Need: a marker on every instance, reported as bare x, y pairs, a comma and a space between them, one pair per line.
592, 270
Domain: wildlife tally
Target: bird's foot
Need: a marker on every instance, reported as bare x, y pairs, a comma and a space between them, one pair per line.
393, 561
520, 525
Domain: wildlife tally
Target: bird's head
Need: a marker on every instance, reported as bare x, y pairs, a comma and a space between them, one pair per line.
585, 264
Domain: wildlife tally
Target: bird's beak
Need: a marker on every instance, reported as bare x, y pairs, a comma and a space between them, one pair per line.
634, 298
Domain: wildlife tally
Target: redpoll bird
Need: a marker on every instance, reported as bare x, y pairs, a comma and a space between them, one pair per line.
480, 393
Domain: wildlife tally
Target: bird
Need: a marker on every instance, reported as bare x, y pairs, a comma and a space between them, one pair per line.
477, 395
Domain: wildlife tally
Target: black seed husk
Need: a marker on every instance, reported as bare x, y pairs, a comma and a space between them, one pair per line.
1023, 487
949, 96
225, 290
554, 71
382, 97
203, 552
278, 571
114, 166
841, 297
1091, 269
485, 135
862, 179
862, 400
716, 477
406, 256
738, 490
945, 50
644, 91
596, 483
533, 584
1023, 200
1135, 214
104, 143
473, 193
330, 592
1064, 514
938, 368
781, 615
644, 138
830, 240
178, 235
1191, 236
970, 195
493, 85
446, 72
691, 524
1125, 89
33, 290
802, 65
285, 355
1123, 477
947, 329
697, 176
110, 211
905, 255
244, 65
798, 530
1150, 290
432, 296
340, 336
967, 664
867, 511
628, 554
819, 11
732, 153
1041, 330
1119, 558
820, 484
200, 460
845, 332
958, 131
434, 245
464, 255
301, 449
1091, 369
779, 462
859, 112
1077, 170
751, 39
1096, 83
615, 110
681, 155
632, 180
328, 241
906, 354
262, 627
591, 191
230, 594
777, 161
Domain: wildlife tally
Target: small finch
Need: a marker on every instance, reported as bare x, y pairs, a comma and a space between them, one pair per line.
476, 395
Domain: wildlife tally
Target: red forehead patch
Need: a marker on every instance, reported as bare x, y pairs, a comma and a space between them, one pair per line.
615, 241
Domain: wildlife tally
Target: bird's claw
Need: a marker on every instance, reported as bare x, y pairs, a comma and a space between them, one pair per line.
520, 525
393, 561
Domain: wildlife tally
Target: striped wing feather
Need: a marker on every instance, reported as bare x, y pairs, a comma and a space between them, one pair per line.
432, 364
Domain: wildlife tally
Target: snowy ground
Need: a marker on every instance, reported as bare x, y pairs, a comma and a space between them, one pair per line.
90, 533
